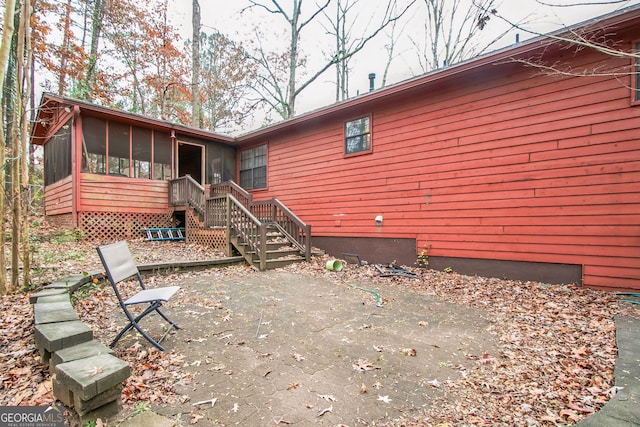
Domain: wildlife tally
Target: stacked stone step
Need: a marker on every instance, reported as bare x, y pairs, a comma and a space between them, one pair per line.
86, 375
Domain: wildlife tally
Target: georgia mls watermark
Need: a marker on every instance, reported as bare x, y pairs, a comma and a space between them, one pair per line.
32, 416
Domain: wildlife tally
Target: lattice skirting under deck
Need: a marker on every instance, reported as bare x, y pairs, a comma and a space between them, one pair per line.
112, 226
196, 233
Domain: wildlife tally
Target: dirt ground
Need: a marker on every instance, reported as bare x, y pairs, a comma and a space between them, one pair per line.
278, 347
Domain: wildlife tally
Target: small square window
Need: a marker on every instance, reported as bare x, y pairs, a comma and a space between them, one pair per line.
357, 135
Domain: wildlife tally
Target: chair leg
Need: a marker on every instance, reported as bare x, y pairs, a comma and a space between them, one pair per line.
133, 323
167, 319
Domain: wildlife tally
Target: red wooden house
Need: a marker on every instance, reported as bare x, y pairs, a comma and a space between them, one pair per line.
489, 166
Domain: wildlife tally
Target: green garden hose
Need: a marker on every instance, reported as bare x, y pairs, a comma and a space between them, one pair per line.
376, 294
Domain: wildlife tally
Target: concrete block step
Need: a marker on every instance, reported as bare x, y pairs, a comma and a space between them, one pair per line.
55, 298
79, 351
83, 407
33, 298
86, 378
56, 336
53, 312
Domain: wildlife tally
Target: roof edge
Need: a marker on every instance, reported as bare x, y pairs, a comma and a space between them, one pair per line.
535, 43
192, 131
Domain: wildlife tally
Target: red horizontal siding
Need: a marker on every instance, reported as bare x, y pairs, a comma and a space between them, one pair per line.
102, 193
58, 197
511, 166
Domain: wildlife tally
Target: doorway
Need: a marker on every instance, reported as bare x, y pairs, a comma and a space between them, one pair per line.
191, 161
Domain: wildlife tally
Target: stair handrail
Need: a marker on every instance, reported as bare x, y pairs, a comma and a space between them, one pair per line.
250, 229
185, 190
231, 187
292, 227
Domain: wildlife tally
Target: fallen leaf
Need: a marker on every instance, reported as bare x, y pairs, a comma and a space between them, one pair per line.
195, 418
327, 397
385, 399
324, 411
409, 351
95, 371
363, 365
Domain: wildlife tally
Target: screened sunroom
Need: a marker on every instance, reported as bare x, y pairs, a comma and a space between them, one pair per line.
107, 172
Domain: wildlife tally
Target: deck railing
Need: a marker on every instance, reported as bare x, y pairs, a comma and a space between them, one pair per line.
186, 191
274, 212
216, 212
231, 206
247, 228
230, 187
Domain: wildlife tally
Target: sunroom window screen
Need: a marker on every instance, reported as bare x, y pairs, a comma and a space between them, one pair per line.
161, 156
119, 142
130, 153
141, 152
253, 168
357, 136
94, 145
57, 155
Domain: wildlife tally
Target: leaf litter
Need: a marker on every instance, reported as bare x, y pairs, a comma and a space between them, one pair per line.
555, 362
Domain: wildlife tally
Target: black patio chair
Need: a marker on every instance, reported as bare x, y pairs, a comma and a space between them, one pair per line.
119, 266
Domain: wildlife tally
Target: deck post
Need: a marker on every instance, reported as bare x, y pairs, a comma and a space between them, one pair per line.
229, 247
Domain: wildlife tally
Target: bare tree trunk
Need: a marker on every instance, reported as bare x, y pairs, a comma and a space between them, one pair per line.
96, 32
293, 58
390, 47
16, 148
195, 69
5, 46
342, 36
10, 115
62, 78
25, 155
451, 32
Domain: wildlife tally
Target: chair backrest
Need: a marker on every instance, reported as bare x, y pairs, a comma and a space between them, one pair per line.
117, 261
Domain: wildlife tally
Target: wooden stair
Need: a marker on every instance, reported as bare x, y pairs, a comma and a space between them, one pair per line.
265, 232
279, 251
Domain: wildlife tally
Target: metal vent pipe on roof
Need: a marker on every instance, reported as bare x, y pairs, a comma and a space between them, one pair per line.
372, 78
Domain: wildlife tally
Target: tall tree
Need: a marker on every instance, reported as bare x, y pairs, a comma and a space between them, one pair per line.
342, 35
451, 32
5, 48
12, 99
25, 155
286, 96
153, 82
226, 77
348, 43
296, 24
87, 87
195, 64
